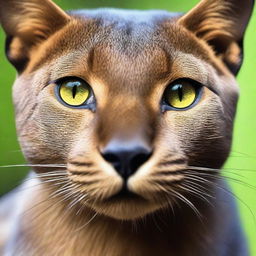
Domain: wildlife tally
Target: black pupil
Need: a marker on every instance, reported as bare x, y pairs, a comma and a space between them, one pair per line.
74, 90
179, 89
180, 92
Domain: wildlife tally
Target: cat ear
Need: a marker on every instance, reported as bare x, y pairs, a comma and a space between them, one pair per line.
222, 24
26, 24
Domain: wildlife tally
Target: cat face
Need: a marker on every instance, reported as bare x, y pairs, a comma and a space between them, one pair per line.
133, 104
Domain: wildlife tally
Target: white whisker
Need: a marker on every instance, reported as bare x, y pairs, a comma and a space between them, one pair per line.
35, 165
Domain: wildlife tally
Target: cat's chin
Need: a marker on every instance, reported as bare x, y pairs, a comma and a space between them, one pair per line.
126, 209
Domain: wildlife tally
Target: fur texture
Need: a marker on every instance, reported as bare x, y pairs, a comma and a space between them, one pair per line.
69, 205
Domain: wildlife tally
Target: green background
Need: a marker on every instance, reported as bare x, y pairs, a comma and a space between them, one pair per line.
242, 161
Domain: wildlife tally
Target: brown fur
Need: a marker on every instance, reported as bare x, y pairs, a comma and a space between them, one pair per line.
128, 68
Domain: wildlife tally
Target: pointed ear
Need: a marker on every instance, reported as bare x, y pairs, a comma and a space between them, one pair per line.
222, 24
26, 24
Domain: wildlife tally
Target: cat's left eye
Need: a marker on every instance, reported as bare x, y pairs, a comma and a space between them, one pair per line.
182, 94
73, 92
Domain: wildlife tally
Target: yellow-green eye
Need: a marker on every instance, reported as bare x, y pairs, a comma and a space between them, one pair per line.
74, 92
181, 95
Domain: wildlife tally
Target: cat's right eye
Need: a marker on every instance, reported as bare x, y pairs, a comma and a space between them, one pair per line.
73, 92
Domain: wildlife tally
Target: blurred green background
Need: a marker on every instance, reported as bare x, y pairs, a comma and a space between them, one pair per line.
242, 160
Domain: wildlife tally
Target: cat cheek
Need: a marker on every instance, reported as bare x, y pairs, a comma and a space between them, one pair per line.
190, 129
63, 125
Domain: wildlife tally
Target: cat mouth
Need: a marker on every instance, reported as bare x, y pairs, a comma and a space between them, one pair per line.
125, 205
125, 195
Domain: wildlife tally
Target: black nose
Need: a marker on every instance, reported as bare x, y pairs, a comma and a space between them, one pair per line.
126, 156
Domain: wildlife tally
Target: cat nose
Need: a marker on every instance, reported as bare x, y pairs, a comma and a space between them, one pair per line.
126, 156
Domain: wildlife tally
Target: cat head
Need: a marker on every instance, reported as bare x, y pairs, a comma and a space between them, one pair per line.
135, 105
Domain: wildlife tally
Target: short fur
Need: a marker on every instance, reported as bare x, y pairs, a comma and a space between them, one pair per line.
128, 58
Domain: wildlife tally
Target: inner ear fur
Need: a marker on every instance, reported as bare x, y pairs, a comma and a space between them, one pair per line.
222, 24
26, 24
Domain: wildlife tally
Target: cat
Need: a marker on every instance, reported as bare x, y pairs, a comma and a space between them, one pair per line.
126, 119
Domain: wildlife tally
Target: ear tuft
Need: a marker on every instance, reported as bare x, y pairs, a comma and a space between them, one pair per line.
222, 24
26, 24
